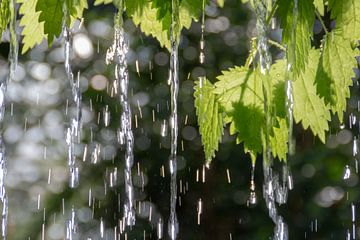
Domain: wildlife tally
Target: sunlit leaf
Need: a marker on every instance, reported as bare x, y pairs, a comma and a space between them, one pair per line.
33, 30
210, 120
303, 31
309, 107
335, 72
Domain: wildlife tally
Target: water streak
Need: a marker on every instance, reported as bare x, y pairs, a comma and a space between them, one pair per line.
117, 53
13, 59
272, 191
71, 227
173, 227
73, 131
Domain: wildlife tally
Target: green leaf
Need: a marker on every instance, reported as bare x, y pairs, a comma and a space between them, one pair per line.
240, 95
279, 135
52, 16
309, 108
98, 2
220, 3
347, 16
319, 5
335, 72
157, 22
279, 139
133, 6
4, 15
303, 31
33, 30
210, 120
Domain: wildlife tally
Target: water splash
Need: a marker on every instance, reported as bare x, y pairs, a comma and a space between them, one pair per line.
73, 131
13, 59
71, 225
117, 53
173, 227
272, 191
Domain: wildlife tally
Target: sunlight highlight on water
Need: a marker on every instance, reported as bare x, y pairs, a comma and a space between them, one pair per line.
117, 53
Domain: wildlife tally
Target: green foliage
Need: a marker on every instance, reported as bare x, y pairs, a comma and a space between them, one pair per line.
155, 19
347, 16
33, 30
239, 93
209, 118
336, 71
42, 19
309, 108
303, 30
322, 78
51, 13
4, 15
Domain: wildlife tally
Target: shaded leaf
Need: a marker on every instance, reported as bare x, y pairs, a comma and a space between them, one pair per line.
51, 13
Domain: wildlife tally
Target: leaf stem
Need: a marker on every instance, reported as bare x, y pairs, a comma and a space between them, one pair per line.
276, 44
321, 21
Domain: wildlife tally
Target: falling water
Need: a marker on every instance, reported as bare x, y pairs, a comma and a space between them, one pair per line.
252, 197
73, 131
117, 53
202, 40
271, 187
13, 58
289, 104
173, 227
71, 227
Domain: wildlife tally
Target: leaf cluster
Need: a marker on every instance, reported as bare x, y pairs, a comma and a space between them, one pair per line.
320, 80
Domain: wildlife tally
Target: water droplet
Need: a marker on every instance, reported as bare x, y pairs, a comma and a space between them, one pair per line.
347, 172
160, 229
164, 128
106, 114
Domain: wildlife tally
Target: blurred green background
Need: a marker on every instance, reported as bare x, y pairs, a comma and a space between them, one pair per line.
38, 113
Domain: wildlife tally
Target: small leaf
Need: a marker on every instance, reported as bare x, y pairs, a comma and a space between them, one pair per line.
309, 107
335, 72
210, 120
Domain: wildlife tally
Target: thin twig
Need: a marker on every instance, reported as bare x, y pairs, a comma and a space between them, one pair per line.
321, 21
